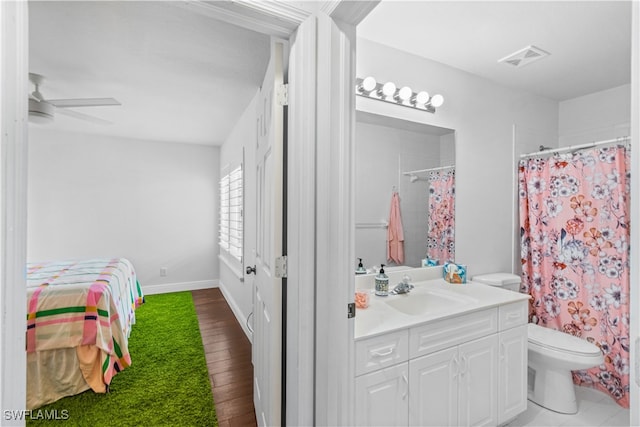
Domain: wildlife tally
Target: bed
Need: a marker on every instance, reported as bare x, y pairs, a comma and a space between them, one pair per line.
79, 317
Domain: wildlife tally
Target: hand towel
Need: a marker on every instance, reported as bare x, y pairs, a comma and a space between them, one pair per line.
395, 235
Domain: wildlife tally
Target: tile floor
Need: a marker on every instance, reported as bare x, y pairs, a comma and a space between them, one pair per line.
594, 409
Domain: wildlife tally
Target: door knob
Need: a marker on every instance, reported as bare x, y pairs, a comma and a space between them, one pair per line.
251, 270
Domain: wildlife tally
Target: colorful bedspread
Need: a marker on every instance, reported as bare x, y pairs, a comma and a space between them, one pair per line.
83, 302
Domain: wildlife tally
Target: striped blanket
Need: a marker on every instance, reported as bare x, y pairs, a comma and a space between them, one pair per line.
83, 302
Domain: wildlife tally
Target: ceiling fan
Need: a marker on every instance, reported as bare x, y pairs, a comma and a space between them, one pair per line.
43, 110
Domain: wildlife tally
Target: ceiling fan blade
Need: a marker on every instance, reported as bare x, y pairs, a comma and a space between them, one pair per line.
85, 117
83, 102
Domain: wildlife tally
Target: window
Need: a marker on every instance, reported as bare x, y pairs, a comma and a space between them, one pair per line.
231, 235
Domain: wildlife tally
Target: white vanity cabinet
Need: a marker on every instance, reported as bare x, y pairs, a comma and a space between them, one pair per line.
464, 370
513, 342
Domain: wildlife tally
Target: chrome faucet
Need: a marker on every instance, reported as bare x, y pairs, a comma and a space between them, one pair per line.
403, 287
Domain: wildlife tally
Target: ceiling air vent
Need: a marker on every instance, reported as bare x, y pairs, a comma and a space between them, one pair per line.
524, 56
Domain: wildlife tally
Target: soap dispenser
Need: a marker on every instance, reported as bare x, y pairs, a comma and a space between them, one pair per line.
360, 269
382, 283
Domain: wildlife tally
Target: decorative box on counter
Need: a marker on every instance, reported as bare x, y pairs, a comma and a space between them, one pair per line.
428, 262
455, 273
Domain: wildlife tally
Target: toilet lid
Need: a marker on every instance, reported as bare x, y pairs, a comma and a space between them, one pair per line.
497, 279
550, 338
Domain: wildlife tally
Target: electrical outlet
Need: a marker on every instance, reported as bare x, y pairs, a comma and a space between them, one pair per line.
163, 271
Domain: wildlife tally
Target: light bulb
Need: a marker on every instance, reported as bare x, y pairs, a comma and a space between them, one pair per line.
389, 89
405, 93
421, 98
437, 100
368, 84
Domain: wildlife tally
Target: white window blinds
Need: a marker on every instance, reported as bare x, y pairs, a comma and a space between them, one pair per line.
231, 201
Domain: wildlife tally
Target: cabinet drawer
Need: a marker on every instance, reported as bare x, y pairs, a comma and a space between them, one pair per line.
383, 351
512, 315
445, 333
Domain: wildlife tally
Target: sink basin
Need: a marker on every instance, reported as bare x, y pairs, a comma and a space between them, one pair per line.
416, 304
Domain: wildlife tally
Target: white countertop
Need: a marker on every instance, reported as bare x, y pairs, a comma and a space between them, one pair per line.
448, 300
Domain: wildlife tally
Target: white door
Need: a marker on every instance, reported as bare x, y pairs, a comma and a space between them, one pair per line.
512, 385
382, 397
478, 395
267, 339
433, 389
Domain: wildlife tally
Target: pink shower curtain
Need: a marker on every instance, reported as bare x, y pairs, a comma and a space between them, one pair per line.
574, 226
440, 238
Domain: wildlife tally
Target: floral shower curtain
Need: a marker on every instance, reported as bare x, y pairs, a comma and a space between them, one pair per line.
574, 225
440, 238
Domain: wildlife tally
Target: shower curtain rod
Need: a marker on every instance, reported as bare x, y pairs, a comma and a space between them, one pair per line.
545, 151
428, 170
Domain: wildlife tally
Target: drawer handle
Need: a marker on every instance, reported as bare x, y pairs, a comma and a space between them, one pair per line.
457, 368
406, 382
464, 365
513, 315
382, 353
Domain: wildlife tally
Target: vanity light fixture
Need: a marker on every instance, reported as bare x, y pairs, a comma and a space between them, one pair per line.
370, 88
437, 100
404, 94
388, 90
367, 85
421, 98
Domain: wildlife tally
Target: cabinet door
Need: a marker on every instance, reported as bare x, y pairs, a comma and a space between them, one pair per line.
478, 405
512, 383
433, 390
382, 397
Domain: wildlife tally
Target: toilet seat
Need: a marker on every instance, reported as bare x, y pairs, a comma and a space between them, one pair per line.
560, 341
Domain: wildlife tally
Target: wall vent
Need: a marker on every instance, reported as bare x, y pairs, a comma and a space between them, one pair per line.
524, 56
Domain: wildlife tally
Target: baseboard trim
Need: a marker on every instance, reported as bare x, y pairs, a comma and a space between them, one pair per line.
165, 288
237, 312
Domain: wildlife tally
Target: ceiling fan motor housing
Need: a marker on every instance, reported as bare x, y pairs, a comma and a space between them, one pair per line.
40, 112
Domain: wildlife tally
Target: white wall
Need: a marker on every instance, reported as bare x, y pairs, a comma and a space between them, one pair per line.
483, 115
447, 149
237, 286
595, 117
382, 155
155, 203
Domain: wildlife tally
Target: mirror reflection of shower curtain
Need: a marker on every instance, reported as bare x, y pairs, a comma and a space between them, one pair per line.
574, 226
441, 230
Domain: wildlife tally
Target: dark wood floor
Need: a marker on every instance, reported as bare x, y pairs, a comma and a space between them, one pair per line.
228, 354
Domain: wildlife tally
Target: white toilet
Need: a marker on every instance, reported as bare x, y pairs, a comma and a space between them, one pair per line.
552, 356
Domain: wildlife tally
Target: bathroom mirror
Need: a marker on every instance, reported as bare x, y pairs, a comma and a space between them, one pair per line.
395, 155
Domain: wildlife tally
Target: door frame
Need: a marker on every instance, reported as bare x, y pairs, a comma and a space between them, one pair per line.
14, 66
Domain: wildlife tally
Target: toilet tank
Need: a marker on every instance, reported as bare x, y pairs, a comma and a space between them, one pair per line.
504, 280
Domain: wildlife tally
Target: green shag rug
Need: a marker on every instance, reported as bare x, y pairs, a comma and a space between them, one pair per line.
167, 383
